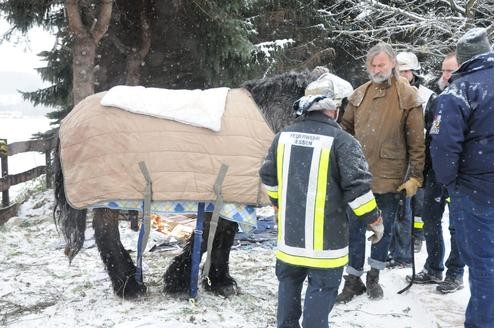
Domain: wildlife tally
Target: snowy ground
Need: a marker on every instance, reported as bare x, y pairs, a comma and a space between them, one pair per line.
39, 289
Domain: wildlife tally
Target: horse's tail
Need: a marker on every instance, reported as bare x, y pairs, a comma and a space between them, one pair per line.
70, 221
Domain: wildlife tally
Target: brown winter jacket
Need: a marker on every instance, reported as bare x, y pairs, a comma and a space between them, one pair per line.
388, 122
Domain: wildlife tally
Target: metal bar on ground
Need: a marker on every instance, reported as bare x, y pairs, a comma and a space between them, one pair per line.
144, 233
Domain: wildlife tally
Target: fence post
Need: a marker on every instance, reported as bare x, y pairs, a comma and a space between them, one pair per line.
48, 163
5, 169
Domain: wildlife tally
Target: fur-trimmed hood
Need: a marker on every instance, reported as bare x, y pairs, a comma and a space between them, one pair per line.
408, 99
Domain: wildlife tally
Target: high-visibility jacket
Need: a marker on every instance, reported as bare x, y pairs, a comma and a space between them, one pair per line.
312, 172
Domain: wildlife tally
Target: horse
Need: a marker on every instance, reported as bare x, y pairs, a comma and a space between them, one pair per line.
274, 97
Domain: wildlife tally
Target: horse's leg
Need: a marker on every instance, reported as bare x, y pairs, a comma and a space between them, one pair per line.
178, 274
117, 260
177, 277
133, 218
221, 281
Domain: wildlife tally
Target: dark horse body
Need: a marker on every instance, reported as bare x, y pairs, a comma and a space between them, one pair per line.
274, 96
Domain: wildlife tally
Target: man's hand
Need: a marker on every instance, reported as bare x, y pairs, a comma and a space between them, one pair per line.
410, 186
377, 228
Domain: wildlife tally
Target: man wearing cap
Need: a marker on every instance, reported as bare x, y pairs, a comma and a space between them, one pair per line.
400, 246
312, 173
386, 117
462, 157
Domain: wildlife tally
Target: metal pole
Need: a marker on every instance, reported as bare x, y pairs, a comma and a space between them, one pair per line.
196, 251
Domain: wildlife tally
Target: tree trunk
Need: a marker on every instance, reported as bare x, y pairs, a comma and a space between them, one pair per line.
83, 63
86, 39
136, 56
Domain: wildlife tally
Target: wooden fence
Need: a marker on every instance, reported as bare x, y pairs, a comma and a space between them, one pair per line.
7, 180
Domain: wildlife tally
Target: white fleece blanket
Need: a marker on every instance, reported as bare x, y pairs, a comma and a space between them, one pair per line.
202, 108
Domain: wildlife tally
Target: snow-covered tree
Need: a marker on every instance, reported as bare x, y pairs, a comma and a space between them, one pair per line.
339, 33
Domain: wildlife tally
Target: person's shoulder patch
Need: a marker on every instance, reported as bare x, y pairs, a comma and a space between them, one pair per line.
435, 127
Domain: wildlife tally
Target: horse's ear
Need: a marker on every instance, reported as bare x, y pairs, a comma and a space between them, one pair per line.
317, 72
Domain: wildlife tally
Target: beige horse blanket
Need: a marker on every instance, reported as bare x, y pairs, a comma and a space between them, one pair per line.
100, 148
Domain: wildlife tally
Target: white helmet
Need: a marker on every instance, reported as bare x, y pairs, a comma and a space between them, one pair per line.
326, 92
330, 85
407, 61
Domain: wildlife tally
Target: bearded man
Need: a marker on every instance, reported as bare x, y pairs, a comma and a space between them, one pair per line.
386, 116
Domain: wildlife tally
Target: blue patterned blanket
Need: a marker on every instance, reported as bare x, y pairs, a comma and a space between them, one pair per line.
245, 215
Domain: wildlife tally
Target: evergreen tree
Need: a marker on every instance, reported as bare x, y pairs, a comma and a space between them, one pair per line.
180, 44
208, 43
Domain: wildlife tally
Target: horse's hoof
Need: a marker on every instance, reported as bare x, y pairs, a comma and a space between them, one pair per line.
171, 289
178, 295
225, 290
131, 290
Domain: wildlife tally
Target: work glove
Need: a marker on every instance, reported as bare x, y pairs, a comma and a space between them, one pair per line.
377, 228
410, 186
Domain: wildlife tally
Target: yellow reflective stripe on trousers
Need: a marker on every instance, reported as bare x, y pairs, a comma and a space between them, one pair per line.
418, 224
365, 208
280, 162
321, 192
312, 262
272, 194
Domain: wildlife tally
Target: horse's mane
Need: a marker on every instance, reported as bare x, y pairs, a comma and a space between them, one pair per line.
276, 95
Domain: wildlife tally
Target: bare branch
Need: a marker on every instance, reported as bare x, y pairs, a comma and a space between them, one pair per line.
469, 7
455, 7
103, 20
74, 17
119, 45
430, 28
145, 32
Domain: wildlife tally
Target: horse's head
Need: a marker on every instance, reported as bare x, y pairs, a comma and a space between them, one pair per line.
276, 95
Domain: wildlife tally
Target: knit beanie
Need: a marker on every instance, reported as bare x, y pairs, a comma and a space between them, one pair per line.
473, 43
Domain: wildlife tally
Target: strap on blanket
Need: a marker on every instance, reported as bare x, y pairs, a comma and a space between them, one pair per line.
214, 219
144, 233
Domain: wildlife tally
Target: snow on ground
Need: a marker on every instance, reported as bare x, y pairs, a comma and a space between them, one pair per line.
39, 289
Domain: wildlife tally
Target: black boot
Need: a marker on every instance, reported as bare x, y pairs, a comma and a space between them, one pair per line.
353, 286
373, 288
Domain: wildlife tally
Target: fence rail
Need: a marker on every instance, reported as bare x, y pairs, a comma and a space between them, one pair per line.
7, 180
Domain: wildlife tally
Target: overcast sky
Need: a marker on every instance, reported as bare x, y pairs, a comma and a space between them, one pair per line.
19, 54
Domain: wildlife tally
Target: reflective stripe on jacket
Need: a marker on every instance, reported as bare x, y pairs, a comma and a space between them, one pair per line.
312, 172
